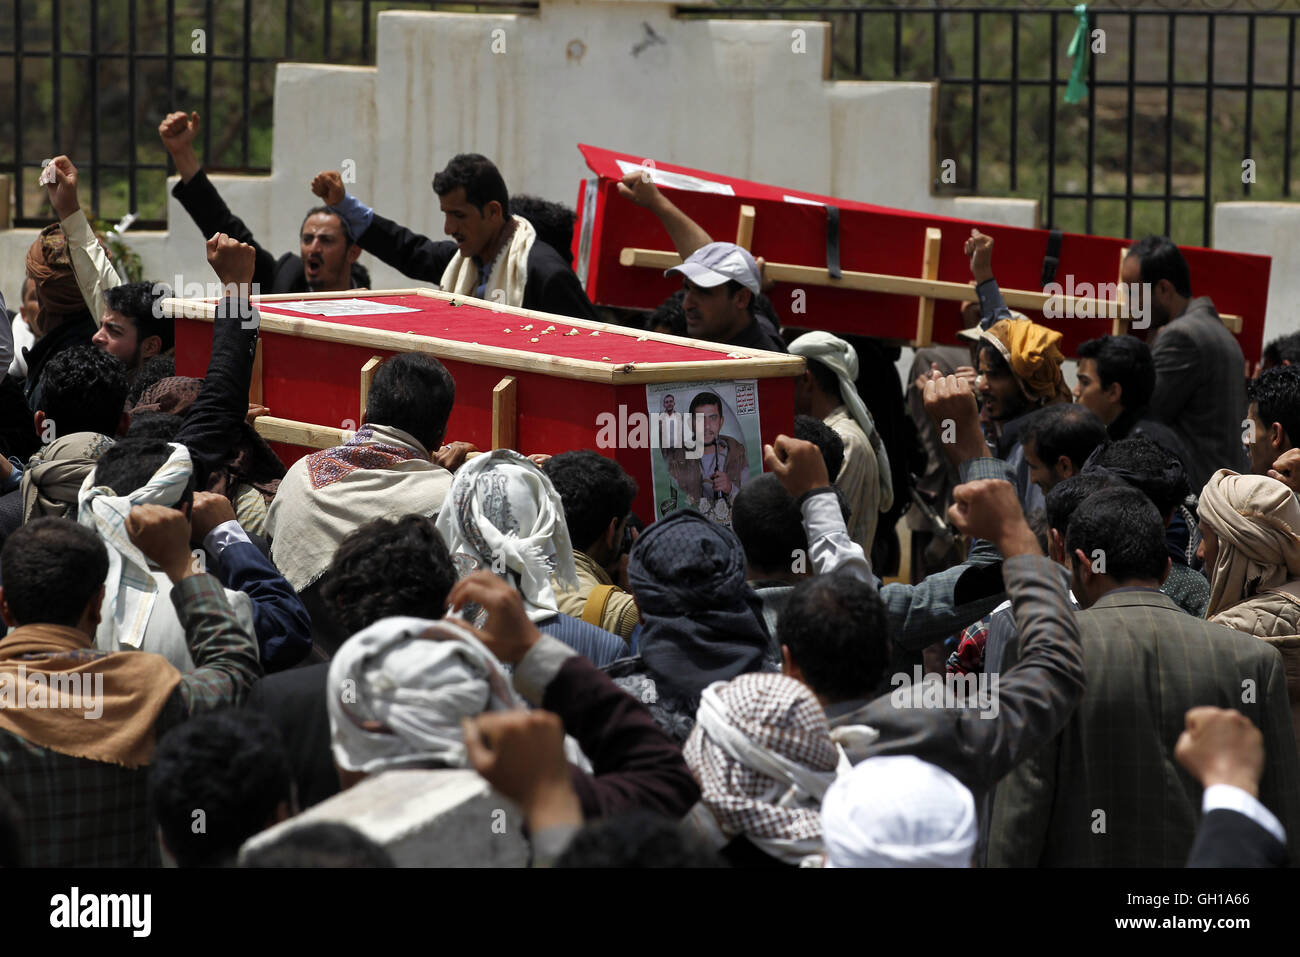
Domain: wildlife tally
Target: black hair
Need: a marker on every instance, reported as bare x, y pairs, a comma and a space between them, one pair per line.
84, 391
809, 428
52, 569
1126, 360
552, 221
997, 361
838, 635
138, 301
322, 844
594, 489
1121, 528
636, 839
412, 392
1069, 430
734, 286
1283, 349
1065, 497
671, 314
159, 426
152, 371
389, 567
706, 398
1159, 259
228, 771
1276, 392
1148, 467
343, 223
769, 525
129, 464
827, 381
480, 179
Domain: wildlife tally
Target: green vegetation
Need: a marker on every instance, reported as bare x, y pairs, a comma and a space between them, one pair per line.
234, 116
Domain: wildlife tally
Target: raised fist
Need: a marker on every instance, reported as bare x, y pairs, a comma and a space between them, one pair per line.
178, 130
328, 185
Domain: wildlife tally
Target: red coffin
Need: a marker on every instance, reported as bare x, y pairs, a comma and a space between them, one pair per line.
791, 227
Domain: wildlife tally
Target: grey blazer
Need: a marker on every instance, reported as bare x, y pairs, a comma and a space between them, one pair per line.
1107, 791
1201, 391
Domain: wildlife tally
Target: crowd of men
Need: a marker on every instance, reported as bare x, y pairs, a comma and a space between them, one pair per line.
1095, 664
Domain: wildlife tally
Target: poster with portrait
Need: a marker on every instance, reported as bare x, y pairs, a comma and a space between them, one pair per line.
705, 444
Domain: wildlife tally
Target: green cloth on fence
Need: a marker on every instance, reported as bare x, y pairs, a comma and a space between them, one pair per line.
1077, 89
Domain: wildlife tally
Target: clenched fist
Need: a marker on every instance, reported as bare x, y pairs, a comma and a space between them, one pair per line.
233, 262
177, 130
163, 536
328, 185
980, 250
63, 191
989, 509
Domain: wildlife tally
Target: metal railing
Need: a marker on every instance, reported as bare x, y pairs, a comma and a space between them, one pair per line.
1193, 75
1179, 100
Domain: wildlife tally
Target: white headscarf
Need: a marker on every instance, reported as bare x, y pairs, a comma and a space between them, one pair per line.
417, 678
898, 811
129, 590
842, 359
504, 515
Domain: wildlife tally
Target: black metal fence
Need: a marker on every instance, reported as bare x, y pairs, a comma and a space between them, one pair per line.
1186, 106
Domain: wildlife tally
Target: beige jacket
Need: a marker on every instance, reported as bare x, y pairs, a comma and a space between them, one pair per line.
620, 614
859, 478
1274, 615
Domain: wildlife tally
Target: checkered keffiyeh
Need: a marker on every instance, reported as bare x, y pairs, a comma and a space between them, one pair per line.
763, 754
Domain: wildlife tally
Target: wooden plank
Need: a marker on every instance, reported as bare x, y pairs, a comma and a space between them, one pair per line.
745, 227
897, 285
275, 429
255, 383
745, 364
1119, 326
367, 377
505, 421
929, 270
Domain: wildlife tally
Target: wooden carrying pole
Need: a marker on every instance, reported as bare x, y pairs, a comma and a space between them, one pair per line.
505, 422
898, 285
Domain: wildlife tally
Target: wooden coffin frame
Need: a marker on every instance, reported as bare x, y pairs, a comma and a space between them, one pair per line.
742, 364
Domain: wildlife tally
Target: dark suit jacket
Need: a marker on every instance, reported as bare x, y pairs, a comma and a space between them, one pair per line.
551, 285
1107, 791
211, 214
1201, 390
1228, 838
1034, 698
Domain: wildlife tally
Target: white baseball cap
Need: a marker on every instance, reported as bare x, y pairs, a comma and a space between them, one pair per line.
716, 263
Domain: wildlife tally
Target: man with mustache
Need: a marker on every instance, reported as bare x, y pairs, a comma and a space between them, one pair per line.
327, 254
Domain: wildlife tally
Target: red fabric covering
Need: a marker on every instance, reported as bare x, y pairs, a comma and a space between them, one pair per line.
308, 380
473, 323
882, 240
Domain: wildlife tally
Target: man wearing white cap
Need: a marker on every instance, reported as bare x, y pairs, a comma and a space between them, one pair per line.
721, 281
827, 391
898, 811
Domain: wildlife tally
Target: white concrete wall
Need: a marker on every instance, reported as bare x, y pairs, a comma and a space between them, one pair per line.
724, 95
1272, 229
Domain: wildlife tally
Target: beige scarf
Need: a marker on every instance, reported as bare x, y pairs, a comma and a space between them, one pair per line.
1257, 521
382, 473
59, 693
509, 274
